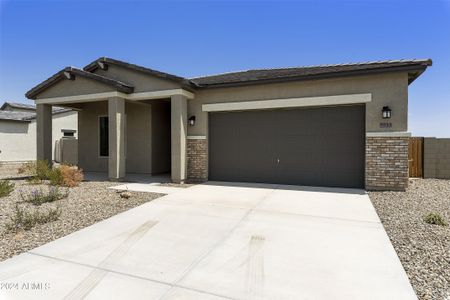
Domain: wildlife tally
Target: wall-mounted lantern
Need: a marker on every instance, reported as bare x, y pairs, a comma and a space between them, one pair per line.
191, 121
386, 112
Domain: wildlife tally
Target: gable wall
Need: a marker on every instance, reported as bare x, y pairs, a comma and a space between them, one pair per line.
78, 86
142, 82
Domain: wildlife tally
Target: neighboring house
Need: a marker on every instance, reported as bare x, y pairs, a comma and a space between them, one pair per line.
18, 130
333, 125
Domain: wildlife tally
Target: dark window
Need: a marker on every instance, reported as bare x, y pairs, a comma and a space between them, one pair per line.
68, 132
104, 133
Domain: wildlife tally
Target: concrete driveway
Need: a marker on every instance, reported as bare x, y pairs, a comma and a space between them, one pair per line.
222, 241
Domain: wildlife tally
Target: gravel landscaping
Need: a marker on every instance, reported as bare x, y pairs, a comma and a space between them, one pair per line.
424, 249
85, 205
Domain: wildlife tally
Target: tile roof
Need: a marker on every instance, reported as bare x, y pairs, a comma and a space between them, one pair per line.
414, 67
16, 115
310, 72
25, 115
95, 64
18, 105
55, 109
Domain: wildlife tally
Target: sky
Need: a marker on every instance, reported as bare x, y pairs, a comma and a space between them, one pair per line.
193, 38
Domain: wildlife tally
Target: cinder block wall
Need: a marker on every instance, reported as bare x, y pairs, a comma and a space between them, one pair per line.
436, 160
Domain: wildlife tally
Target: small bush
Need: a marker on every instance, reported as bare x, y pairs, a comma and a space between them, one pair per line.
6, 187
435, 219
71, 176
55, 177
36, 170
39, 197
27, 219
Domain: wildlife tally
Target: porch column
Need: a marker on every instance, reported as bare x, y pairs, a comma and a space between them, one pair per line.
116, 123
44, 132
179, 132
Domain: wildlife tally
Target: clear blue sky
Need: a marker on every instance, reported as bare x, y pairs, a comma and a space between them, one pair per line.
39, 38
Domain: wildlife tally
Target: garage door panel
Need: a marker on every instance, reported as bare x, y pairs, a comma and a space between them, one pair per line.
315, 146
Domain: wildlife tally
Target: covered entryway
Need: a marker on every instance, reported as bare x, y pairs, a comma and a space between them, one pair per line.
309, 146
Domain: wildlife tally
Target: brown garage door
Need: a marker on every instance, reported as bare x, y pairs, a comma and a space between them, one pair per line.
313, 146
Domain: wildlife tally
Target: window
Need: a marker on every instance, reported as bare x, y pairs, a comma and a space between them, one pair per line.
104, 136
68, 132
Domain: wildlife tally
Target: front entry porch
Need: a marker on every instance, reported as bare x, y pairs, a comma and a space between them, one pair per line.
123, 135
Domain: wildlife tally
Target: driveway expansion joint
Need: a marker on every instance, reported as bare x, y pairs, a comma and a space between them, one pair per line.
170, 285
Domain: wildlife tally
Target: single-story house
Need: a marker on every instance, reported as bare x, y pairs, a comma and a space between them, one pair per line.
332, 125
18, 130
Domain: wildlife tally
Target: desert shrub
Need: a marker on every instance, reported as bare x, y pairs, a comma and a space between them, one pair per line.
38, 196
71, 176
27, 219
55, 177
6, 187
435, 219
36, 170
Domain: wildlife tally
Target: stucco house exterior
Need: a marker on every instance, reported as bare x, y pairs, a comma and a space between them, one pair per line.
18, 130
334, 125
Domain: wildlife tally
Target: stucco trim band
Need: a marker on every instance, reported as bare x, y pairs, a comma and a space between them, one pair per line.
388, 134
289, 102
108, 95
196, 137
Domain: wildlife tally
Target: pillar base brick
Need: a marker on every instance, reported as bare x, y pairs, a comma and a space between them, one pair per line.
387, 163
197, 160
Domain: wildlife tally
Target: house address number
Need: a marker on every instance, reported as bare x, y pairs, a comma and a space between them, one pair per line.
385, 125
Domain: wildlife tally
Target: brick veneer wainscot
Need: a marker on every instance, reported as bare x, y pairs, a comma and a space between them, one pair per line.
197, 160
387, 163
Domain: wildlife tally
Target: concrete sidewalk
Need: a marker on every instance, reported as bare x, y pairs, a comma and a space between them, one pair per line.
222, 241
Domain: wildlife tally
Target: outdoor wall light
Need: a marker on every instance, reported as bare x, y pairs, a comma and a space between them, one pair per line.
386, 112
191, 121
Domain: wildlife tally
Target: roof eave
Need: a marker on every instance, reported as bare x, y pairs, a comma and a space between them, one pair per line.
4, 105
16, 120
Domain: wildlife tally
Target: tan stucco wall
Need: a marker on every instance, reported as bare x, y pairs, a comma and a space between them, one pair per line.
138, 137
18, 139
142, 82
78, 86
386, 89
88, 137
